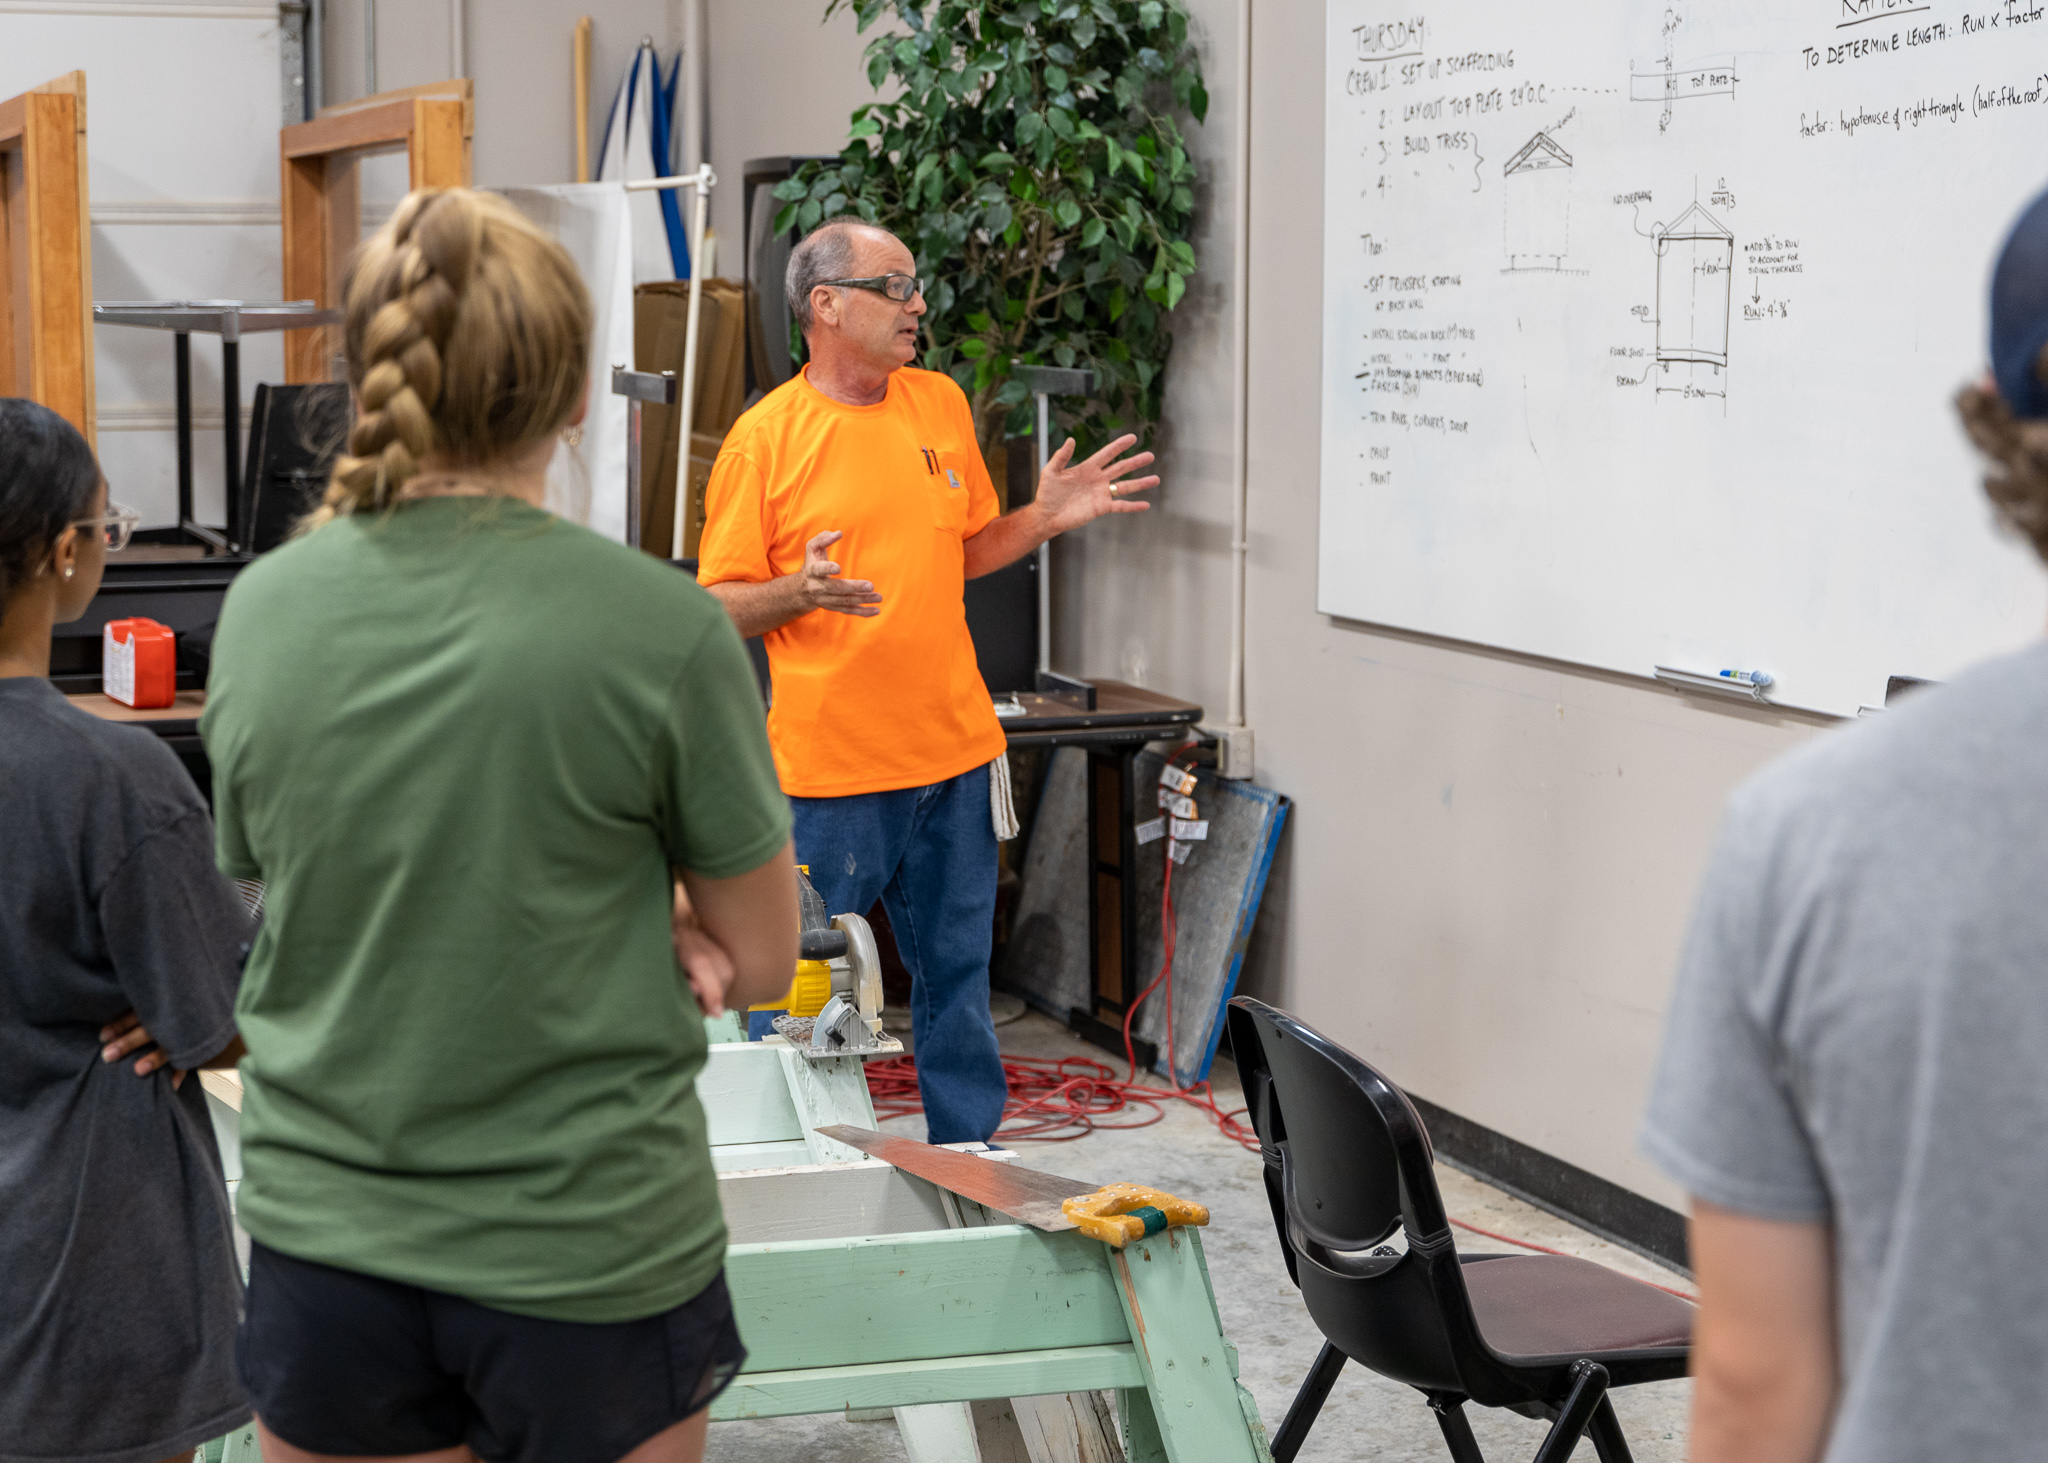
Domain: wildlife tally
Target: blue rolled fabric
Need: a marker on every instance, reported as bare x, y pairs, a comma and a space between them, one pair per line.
2019, 312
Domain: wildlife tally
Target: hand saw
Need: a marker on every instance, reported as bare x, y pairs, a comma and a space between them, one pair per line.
1115, 1215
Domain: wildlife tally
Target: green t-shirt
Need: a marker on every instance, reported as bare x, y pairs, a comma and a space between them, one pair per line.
462, 745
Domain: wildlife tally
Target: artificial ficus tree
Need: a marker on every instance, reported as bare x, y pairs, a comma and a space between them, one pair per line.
1032, 161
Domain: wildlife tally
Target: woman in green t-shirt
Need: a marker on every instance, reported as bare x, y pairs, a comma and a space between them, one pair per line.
470, 749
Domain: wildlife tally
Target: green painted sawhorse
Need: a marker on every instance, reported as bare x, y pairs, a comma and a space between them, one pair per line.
860, 1287
928, 1315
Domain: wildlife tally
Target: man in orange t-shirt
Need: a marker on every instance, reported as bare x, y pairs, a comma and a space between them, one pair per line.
882, 728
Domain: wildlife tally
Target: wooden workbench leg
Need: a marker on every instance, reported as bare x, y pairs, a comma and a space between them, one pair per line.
939, 1432
1068, 1427
1190, 1370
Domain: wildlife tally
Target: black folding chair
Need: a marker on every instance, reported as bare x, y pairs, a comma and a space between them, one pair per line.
1348, 1163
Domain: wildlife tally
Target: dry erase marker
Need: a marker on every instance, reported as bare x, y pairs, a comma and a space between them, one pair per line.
1756, 680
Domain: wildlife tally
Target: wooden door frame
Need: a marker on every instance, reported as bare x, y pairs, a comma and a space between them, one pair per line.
46, 252
320, 188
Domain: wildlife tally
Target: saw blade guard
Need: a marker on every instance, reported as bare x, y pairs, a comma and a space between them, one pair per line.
859, 976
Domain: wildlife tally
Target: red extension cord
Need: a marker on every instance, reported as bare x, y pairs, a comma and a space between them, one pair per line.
1058, 1101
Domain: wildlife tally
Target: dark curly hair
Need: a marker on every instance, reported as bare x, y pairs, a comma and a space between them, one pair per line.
2016, 453
47, 480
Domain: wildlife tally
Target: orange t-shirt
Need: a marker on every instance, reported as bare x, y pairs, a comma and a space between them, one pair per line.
863, 704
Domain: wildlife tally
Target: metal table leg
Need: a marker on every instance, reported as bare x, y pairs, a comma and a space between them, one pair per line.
231, 408
181, 355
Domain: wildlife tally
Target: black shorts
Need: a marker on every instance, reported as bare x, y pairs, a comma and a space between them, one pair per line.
339, 1362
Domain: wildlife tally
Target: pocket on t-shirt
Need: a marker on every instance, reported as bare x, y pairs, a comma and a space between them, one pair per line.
949, 492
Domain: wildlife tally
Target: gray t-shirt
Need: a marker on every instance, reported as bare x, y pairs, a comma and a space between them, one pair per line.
1860, 1034
119, 1292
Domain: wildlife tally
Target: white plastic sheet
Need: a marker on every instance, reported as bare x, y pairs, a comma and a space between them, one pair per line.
587, 480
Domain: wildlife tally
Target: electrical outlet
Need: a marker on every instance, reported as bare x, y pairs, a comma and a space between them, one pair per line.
1233, 750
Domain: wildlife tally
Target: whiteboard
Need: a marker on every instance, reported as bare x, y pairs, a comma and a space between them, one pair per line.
1642, 325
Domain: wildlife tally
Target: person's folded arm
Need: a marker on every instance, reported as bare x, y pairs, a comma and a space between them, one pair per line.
750, 921
1765, 1356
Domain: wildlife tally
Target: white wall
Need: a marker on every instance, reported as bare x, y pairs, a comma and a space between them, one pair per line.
1490, 860
518, 54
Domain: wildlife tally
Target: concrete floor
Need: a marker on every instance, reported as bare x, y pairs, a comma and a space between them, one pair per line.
1366, 1418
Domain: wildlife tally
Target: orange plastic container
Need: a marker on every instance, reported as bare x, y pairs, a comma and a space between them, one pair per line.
139, 663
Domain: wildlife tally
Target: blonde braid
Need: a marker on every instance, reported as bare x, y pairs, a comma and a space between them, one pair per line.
467, 334
403, 294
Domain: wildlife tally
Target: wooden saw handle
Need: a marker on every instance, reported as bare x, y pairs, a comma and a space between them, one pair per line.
1123, 1212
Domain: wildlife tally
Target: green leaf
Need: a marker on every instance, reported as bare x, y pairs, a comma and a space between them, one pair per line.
1176, 286
1075, 307
1064, 354
979, 321
1183, 254
866, 127
878, 68
1014, 234
1198, 102
785, 218
1029, 125
1084, 32
808, 213
996, 217
1055, 78
1092, 232
973, 350
998, 162
1118, 300
1067, 212
791, 188
1150, 13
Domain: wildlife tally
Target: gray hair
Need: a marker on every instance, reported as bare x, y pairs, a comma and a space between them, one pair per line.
826, 252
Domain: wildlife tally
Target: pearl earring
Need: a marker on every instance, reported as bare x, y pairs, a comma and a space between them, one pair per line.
69, 570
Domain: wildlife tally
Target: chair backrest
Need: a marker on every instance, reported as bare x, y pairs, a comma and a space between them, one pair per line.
1347, 1163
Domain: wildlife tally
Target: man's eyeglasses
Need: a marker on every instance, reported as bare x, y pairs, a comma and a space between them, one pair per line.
115, 526
898, 287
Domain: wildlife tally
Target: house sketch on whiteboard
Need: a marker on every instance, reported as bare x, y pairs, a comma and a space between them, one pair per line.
1538, 206
1695, 273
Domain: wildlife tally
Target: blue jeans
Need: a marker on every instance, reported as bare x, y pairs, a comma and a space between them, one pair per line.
929, 854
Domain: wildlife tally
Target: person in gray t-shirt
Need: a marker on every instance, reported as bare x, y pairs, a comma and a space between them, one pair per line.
1852, 1086
119, 1291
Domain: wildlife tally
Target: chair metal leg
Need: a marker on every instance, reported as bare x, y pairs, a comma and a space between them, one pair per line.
1589, 1391
1301, 1413
1450, 1416
1606, 1430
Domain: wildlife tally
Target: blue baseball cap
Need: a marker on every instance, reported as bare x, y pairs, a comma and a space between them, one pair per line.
2019, 312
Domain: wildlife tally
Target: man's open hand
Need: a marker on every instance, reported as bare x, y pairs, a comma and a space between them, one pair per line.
820, 589
1071, 494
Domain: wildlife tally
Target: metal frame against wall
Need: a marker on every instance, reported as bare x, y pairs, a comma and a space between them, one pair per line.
46, 252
